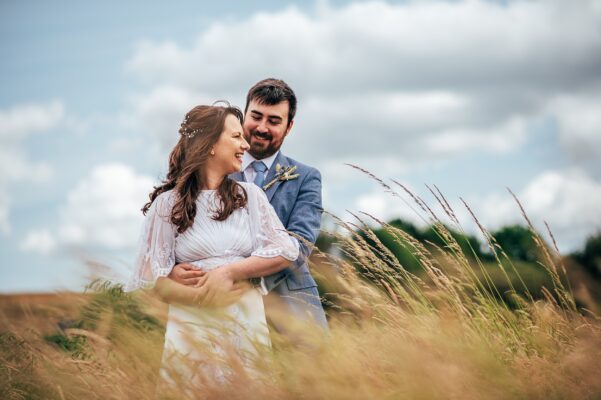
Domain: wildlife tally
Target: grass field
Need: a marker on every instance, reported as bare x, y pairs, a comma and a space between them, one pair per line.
446, 333
377, 349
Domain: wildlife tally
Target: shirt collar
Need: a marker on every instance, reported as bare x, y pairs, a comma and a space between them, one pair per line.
247, 159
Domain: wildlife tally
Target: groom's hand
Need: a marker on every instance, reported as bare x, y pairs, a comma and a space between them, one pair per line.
204, 298
186, 274
216, 283
219, 289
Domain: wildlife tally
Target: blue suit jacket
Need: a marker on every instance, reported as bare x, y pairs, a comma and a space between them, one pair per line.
297, 203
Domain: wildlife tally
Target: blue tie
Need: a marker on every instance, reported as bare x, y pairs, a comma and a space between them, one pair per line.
260, 168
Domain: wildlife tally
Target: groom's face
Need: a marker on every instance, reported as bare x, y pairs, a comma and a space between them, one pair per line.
265, 127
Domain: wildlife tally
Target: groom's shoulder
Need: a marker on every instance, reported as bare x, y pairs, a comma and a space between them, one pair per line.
302, 168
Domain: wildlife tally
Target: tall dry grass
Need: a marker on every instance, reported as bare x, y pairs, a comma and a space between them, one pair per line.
443, 333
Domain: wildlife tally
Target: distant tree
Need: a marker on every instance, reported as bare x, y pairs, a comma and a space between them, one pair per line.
405, 226
518, 243
470, 245
394, 244
325, 241
590, 257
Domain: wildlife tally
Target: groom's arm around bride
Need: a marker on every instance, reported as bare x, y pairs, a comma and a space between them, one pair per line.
294, 191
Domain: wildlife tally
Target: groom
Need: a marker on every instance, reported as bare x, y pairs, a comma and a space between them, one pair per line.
294, 194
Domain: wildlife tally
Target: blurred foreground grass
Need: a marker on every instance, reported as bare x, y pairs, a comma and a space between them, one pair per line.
460, 328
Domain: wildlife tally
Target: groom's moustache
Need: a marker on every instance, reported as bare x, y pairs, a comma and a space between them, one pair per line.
262, 135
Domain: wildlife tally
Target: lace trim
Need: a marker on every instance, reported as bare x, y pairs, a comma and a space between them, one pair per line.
156, 256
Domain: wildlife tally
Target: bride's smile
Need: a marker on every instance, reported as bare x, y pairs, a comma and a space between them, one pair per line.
228, 151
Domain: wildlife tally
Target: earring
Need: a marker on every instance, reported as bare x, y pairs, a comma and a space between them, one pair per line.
212, 152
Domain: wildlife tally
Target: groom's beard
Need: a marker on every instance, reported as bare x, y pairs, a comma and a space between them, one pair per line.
262, 144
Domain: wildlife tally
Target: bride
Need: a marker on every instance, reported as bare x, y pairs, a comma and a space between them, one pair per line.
200, 216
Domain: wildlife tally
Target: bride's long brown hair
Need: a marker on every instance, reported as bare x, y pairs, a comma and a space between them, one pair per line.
199, 132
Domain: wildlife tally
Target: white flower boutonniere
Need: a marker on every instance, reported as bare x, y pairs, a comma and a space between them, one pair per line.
282, 174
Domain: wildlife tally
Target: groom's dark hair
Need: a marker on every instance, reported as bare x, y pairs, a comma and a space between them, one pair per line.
272, 91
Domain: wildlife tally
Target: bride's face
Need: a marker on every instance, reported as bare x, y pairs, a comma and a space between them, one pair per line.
230, 147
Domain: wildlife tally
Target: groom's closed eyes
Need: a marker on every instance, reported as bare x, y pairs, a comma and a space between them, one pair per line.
272, 119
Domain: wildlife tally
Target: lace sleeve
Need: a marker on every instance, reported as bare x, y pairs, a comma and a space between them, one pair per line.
270, 237
156, 248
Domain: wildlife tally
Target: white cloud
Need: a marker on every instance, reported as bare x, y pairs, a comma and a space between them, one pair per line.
16, 124
568, 200
104, 208
4, 215
375, 45
401, 87
161, 112
17, 166
579, 120
150, 58
498, 139
385, 207
416, 80
361, 126
39, 241
20, 121
101, 212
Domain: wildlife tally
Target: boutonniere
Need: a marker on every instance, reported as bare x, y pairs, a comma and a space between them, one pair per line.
282, 174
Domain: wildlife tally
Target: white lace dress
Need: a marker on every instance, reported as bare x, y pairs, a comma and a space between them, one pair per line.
191, 332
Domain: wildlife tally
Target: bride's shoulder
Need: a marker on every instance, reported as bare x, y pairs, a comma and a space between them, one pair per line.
248, 186
254, 195
252, 190
165, 201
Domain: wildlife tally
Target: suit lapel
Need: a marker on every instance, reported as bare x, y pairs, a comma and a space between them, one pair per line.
283, 161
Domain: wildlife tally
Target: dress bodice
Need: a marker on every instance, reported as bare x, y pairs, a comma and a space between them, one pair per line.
253, 230
209, 243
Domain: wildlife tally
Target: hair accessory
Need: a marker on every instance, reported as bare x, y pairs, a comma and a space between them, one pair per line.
184, 131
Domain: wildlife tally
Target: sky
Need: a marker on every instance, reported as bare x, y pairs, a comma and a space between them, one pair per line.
471, 96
